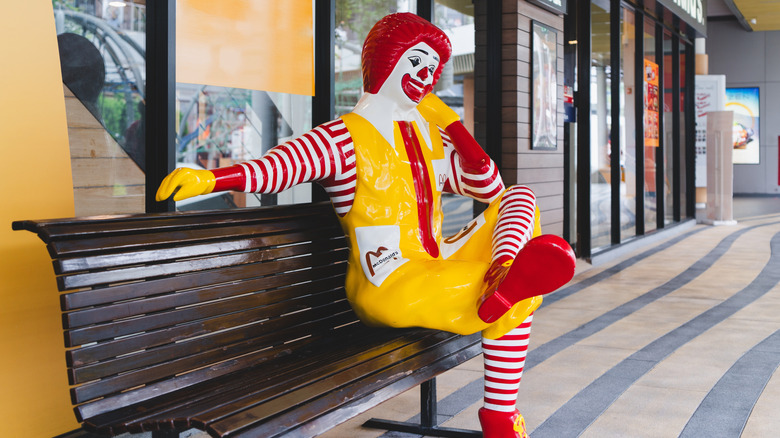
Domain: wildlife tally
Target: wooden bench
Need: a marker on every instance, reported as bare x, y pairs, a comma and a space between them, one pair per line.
234, 322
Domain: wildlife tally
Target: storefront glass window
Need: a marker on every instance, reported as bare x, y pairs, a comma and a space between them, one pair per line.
683, 143
601, 124
103, 70
628, 87
456, 89
651, 99
669, 140
353, 21
219, 127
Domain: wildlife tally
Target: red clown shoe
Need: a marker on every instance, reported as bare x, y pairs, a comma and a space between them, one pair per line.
543, 265
496, 424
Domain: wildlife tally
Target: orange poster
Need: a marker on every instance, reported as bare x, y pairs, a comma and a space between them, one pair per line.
252, 44
651, 103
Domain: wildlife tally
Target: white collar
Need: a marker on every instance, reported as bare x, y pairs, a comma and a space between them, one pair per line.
381, 112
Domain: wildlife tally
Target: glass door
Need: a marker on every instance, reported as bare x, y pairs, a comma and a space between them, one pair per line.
600, 126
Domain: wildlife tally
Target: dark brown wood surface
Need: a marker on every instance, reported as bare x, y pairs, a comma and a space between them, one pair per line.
233, 321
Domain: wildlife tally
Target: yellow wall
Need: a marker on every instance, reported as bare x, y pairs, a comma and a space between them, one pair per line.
35, 183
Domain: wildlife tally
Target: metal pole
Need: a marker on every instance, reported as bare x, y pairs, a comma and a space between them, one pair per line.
160, 136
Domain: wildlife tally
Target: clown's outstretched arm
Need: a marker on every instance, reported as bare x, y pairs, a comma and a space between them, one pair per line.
324, 154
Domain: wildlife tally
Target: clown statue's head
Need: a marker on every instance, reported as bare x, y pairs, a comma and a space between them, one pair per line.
403, 57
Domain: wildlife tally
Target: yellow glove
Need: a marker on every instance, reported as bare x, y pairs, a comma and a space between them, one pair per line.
436, 111
189, 182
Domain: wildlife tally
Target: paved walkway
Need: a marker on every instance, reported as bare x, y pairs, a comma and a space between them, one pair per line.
678, 339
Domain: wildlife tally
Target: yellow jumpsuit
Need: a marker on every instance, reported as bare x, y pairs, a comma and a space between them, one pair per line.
391, 279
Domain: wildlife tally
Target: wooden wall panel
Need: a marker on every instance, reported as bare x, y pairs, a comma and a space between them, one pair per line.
534, 161
542, 171
105, 178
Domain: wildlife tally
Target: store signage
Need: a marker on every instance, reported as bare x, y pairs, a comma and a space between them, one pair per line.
557, 6
569, 114
568, 94
693, 12
651, 104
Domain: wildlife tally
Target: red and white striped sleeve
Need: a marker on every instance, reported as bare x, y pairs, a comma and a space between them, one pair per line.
484, 185
325, 154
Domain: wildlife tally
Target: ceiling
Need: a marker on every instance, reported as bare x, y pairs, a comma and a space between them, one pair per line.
754, 15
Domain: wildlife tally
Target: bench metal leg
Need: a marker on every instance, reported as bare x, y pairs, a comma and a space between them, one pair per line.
429, 425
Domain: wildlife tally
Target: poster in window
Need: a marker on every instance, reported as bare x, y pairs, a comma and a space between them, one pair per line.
744, 103
651, 103
544, 87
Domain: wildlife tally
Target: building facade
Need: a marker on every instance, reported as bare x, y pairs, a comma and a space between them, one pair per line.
588, 103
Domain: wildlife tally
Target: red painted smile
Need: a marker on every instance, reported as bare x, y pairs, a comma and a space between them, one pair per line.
414, 89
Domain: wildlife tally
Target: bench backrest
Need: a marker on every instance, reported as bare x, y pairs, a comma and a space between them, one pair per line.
231, 289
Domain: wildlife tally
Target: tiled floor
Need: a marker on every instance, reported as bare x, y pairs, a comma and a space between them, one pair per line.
678, 339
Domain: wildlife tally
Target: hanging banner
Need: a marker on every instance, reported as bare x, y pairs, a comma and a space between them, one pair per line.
252, 44
651, 103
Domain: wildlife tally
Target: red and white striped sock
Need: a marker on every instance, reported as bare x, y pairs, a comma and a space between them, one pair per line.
504, 361
515, 223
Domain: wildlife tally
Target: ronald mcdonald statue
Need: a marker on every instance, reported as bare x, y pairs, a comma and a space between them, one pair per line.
385, 166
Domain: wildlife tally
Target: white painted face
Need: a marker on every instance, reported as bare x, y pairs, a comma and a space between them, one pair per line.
412, 77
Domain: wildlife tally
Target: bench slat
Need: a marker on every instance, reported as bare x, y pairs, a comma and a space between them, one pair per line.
193, 321
270, 331
234, 353
209, 377
97, 333
56, 229
173, 237
127, 309
80, 317
91, 279
89, 263
312, 419
137, 417
194, 280
358, 344
368, 373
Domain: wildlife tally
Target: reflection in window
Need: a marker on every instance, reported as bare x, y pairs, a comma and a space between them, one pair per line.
103, 64
651, 129
601, 125
669, 140
683, 143
628, 87
353, 21
220, 126
456, 89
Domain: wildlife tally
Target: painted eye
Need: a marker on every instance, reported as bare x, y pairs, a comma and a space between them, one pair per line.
415, 60
431, 69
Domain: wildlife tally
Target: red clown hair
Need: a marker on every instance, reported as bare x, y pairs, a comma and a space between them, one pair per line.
390, 38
